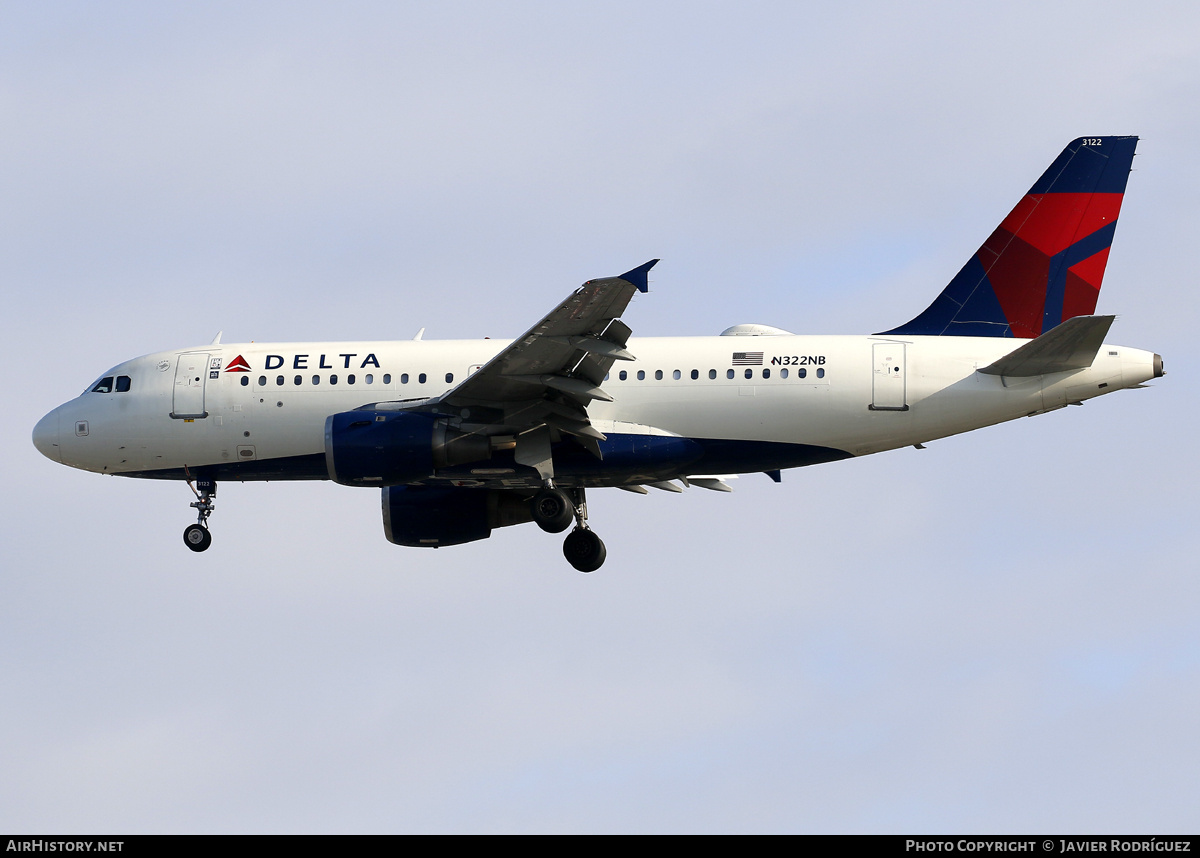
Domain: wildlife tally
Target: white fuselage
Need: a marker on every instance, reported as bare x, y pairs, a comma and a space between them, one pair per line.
192, 409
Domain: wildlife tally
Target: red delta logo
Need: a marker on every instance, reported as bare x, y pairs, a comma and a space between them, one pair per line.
238, 364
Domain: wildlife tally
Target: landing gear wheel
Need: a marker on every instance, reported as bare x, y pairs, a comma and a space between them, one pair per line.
584, 550
553, 510
196, 537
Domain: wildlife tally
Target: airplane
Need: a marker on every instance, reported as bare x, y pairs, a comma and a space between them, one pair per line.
462, 437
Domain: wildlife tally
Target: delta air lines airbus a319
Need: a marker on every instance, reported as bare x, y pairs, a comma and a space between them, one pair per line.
461, 437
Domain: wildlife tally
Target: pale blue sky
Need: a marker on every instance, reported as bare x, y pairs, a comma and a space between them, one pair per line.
995, 634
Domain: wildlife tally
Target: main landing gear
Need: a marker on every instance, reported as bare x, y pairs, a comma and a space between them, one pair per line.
584, 549
196, 536
554, 509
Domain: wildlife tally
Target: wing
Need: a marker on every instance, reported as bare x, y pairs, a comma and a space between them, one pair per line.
546, 378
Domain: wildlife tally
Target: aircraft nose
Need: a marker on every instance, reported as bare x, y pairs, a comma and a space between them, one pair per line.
45, 436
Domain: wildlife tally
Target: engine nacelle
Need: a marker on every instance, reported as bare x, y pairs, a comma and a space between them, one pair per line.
428, 517
387, 448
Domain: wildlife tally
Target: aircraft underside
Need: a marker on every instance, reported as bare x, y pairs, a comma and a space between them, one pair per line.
573, 466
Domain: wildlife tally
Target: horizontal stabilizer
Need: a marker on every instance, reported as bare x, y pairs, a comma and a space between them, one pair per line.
1071, 345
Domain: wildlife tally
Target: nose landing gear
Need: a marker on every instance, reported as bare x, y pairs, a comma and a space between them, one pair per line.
196, 536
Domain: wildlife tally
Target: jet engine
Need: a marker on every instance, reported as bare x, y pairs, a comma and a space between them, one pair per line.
387, 448
428, 517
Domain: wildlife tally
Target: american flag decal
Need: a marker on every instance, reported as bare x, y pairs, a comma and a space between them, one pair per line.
747, 358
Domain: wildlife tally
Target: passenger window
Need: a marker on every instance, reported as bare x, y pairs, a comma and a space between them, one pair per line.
262, 381
333, 379
420, 379
387, 378
316, 380
641, 375
623, 375
279, 380
369, 378
695, 374
749, 373
729, 373
712, 373
404, 378
766, 373
677, 375
820, 372
349, 379
104, 385
123, 383
801, 373
658, 375
298, 380
783, 373
245, 380
449, 377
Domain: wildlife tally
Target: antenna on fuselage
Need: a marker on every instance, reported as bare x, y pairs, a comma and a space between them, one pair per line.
420, 334
217, 339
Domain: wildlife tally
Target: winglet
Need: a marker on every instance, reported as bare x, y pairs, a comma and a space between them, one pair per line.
640, 276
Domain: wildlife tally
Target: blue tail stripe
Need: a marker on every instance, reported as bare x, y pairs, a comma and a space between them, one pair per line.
1061, 263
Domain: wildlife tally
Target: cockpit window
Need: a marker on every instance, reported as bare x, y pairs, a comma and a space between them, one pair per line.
123, 384
104, 385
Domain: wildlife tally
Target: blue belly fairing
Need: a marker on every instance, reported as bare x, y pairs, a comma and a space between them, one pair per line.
628, 459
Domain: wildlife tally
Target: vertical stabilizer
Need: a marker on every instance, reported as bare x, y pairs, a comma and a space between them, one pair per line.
1045, 262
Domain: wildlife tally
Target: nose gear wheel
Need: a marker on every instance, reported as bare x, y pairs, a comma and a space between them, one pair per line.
196, 536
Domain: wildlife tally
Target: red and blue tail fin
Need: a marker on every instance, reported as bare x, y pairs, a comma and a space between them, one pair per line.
1045, 262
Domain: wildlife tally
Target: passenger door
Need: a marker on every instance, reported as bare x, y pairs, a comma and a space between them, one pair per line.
888, 388
191, 372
